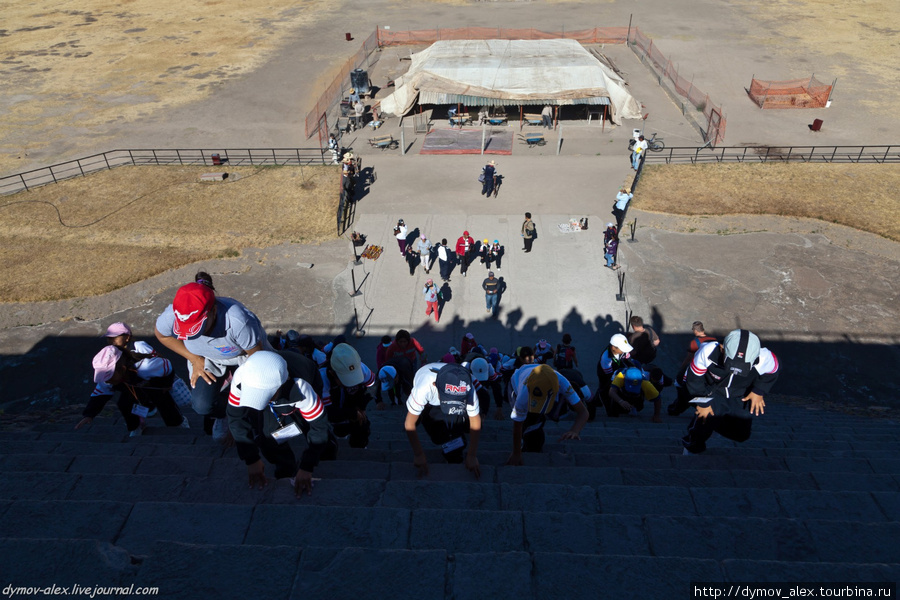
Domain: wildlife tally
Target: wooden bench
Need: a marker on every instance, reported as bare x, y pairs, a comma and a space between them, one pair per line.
461, 119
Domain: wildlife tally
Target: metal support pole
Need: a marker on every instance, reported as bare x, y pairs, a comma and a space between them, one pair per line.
628, 35
559, 140
483, 132
633, 227
402, 142
620, 297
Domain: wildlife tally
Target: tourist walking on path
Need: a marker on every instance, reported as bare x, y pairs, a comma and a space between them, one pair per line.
529, 232
431, 299
637, 152
400, 232
487, 177
621, 207
611, 246
491, 288
465, 248
423, 247
443, 257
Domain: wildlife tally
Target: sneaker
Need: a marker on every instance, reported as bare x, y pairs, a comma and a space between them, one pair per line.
687, 452
184, 423
140, 430
152, 412
220, 430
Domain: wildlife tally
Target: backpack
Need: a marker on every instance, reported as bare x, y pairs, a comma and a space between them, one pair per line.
481, 177
565, 357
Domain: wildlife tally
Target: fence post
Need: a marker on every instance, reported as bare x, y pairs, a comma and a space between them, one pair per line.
628, 35
106, 160
82, 170
155, 158
51, 174
402, 142
22, 177
274, 158
131, 157
559, 140
178, 154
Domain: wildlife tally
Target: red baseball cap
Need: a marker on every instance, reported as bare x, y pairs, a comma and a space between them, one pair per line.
192, 305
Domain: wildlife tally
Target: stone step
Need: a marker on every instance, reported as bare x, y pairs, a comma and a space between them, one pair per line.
317, 573
136, 527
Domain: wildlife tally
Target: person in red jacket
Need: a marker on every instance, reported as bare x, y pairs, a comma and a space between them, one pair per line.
465, 251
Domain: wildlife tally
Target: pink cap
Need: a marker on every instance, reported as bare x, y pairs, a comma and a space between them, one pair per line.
117, 329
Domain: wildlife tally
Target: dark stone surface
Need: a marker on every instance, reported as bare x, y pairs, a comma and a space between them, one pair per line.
150, 522
95, 520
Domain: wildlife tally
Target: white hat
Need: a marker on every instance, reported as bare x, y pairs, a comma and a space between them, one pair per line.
479, 368
620, 342
259, 378
346, 363
143, 348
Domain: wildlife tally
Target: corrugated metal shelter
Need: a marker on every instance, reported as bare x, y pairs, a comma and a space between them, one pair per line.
510, 72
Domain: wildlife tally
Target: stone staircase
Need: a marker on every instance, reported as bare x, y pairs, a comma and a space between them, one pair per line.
813, 496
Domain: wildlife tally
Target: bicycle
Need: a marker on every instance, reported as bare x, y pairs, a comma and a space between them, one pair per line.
653, 143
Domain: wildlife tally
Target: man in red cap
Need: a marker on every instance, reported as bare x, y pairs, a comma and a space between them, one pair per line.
465, 249
215, 335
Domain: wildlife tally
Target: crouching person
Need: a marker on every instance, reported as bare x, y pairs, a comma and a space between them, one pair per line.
628, 392
443, 399
266, 408
536, 394
728, 382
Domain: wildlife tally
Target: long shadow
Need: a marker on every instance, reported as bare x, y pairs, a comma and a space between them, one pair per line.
57, 371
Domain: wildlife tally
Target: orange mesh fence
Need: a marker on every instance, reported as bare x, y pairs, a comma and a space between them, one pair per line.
715, 119
795, 93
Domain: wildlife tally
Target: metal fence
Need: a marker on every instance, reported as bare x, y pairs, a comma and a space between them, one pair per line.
763, 154
118, 158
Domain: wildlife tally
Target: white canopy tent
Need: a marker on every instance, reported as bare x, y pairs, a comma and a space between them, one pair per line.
510, 72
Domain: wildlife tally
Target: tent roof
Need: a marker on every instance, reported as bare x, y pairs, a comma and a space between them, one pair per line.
493, 72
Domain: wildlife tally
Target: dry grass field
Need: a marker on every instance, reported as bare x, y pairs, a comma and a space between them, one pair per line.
87, 236
859, 196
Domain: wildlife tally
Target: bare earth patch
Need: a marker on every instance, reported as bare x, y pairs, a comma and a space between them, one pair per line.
87, 236
858, 196
82, 64
864, 30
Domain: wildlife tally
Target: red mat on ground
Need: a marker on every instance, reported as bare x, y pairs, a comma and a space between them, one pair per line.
467, 141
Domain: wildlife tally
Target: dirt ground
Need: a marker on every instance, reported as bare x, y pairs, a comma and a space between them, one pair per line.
73, 69
87, 236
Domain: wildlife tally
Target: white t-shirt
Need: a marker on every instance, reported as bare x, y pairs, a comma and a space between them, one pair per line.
424, 392
519, 395
401, 235
642, 145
